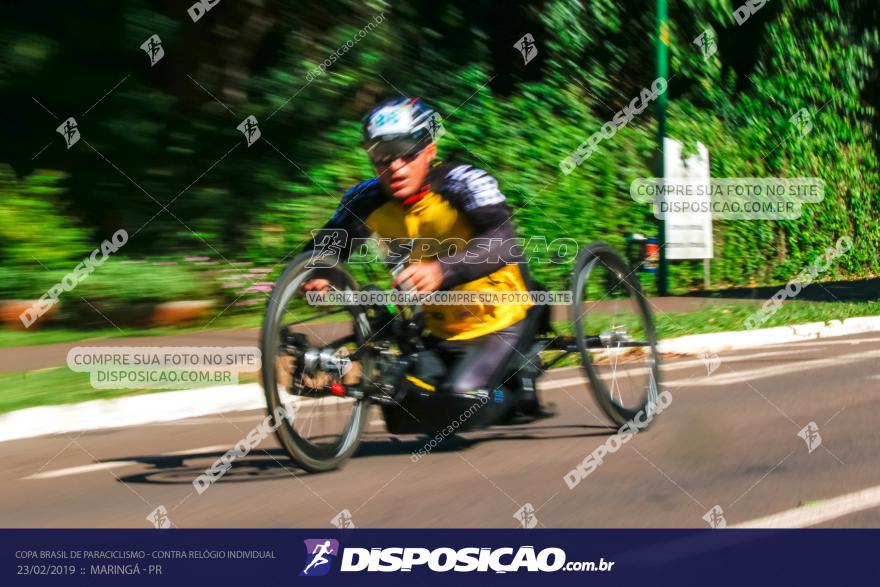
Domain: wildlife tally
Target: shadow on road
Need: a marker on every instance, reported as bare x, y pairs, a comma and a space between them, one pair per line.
273, 464
260, 465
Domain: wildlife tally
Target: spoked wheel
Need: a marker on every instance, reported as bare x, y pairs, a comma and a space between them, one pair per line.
615, 335
305, 349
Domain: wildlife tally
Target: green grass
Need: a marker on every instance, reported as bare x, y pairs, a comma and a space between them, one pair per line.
50, 387
727, 317
60, 385
52, 335
719, 317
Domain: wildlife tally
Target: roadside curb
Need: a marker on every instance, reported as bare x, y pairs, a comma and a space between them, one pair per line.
695, 344
125, 411
177, 405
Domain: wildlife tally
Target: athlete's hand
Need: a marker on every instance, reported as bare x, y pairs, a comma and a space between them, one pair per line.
318, 285
420, 277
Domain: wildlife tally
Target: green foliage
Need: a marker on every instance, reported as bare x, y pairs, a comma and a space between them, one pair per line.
123, 282
162, 136
30, 284
34, 232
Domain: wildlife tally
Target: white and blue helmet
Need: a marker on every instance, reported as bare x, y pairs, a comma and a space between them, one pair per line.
401, 119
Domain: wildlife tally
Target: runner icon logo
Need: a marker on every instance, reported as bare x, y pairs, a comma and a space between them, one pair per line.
320, 553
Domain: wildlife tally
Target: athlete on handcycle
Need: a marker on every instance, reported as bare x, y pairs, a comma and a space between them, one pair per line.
415, 196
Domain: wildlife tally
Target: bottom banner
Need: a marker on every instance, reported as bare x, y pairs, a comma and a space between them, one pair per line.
392, 557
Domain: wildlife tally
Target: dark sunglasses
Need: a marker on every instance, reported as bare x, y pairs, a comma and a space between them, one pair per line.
386, 152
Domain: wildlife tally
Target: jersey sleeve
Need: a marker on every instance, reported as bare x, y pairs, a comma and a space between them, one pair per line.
471, 188
349, 220
477, 196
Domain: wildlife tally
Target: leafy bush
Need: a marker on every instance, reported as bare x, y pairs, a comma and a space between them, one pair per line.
18, 284
515, 120
121, 281
124, 293
34, 233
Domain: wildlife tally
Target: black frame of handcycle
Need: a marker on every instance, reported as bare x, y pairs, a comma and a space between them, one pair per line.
411, 344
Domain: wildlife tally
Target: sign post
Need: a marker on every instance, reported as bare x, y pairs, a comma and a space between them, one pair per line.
662, 71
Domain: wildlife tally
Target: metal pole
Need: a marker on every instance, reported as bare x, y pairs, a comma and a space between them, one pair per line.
662, 71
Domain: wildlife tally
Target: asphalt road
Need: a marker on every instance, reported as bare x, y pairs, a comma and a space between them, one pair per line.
728, 439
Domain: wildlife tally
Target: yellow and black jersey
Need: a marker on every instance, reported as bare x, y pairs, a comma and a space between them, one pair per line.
458, 204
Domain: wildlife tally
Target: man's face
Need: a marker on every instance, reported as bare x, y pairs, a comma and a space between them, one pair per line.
404, 176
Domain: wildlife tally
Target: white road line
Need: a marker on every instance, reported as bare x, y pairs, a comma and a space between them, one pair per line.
817, 513
207, 420
802, 517
786, 368
667, 366
195, 451
729, 378
261, 414
557, 383
826, 342
118, 464
81, 469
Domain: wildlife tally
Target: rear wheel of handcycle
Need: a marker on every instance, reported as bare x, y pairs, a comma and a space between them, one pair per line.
320, 430
615, 335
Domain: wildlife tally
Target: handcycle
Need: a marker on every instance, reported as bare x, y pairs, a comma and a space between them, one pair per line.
328, 366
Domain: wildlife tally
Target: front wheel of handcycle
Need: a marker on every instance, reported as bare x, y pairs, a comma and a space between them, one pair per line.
319, 430
615, 335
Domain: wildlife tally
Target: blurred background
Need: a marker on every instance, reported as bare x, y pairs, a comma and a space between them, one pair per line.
210, 218
150, 97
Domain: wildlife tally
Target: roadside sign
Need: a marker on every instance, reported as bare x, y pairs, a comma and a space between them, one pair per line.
688, 233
